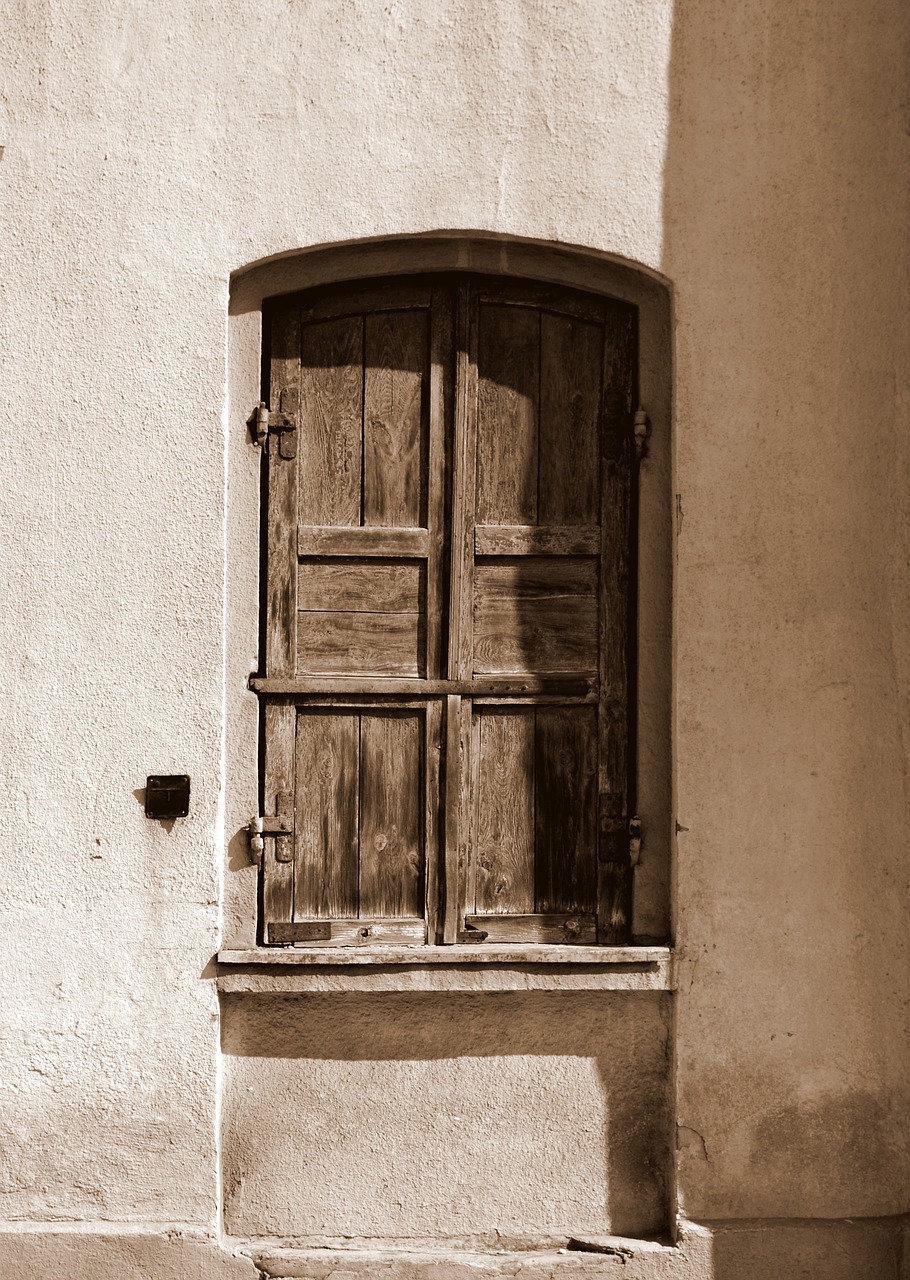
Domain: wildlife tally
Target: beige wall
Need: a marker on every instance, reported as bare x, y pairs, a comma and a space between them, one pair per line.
755, 153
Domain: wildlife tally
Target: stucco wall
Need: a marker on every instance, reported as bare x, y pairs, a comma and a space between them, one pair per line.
754, 152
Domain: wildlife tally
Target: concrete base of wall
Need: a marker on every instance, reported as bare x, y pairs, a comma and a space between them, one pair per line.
849, 1249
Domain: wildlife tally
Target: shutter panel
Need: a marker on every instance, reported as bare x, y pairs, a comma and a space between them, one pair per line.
367, 550
549, 575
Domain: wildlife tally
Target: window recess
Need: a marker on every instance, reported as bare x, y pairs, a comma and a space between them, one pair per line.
447, 619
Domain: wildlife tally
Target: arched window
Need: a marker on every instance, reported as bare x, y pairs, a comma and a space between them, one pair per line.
446, 693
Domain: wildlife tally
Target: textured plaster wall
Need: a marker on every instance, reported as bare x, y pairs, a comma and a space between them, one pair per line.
753, 151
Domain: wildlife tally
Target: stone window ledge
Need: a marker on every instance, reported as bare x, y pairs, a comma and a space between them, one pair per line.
304, 971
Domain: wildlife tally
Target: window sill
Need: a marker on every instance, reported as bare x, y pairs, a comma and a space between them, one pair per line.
296, 970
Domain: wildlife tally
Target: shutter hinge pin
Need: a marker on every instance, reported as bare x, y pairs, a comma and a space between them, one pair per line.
263, 423
634, 841
642, 431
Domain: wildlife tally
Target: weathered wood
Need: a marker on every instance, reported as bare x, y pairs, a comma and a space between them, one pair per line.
328, 789
570, 386
391, 800
532, 613
361, 586
659, 958
529, 293
441, 407
432, 753
330, 428
463, 482
569, 685
452, 833
567, 928
354, 932
281, 570
278, 873
614, 865
565, 769
508, 376
503, 808
394, 419
313, 540
529, 539
352, 300
349, 642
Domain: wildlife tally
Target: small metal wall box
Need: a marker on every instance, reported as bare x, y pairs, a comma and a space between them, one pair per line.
167, 795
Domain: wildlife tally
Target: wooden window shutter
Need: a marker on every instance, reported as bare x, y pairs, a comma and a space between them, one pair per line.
446, 692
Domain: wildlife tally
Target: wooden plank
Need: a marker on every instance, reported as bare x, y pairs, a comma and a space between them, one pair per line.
440, 417
281, 572
565, 928
503, 807
395, 419
452, 832
391, 827
570, 384
566, 809
463, 480
432, 752
528, 293
278, 856
330, 428
532, 613
354, 932
508, 376
314, 540
346, 643
614, 906
328, 769
361, 585
353, 300
529, 539
569, 685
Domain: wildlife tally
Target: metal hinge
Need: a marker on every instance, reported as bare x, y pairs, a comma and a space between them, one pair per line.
642, 432
619, 833
264, 422
280, 824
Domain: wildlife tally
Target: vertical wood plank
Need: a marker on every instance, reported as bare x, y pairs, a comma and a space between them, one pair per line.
330, 430
277, 865
566, 792
570, 383
391, 836
614, 868
503, 810
432, 753
453, 776
394, 418
508, 378
463, 482
440, 410
281, 552
327, 805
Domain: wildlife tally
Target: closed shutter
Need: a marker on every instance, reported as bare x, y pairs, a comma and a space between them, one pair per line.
446, 693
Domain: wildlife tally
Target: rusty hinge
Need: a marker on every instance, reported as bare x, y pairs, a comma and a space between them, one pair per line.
620, 836
264, 423
280, 824
642, 432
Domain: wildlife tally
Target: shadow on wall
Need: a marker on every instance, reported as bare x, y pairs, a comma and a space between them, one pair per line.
785, 230
414, 1115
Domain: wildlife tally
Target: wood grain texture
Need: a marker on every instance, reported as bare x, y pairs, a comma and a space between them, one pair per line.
361, 586
463, 482
530, 293
535, 614
395, 419
319, 540
328, 810
508, 375
529, 539
570, 686
350, 642
452, 827
278, 872
570, 388
330, 428
503, 812
281, 574
391, 825
441, 411
432, 754
565, 769
356, 932
563, 928
354, 299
